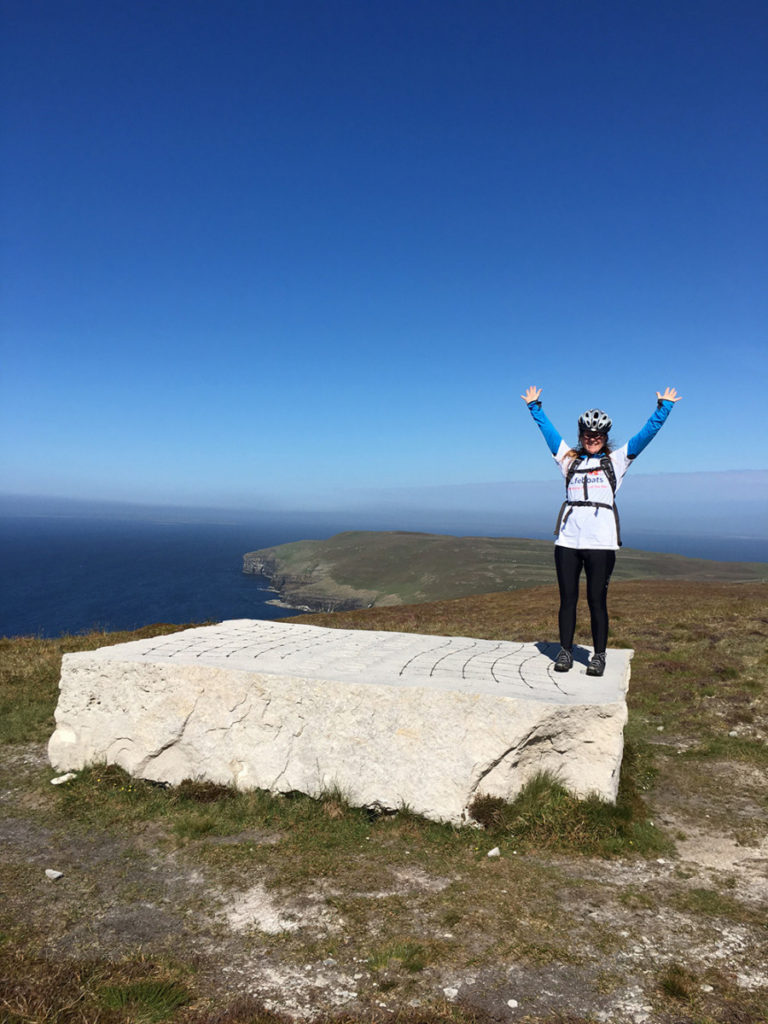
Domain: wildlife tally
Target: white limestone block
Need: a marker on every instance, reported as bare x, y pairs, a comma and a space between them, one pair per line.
394, 719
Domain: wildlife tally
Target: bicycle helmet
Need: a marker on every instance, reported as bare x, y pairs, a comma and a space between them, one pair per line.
594, 420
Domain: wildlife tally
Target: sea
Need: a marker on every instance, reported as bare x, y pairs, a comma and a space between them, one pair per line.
76, 573
72, 575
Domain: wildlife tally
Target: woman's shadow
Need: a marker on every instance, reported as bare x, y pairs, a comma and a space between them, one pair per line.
581, 655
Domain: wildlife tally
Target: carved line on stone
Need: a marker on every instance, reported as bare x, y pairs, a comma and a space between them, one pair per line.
556, 684
158, 647
429, 650
267, 650
450, 654
477, 655
215, 649
238, 650
521, 666
250, 647
308, 646
501, 658
291, 642
178, 643
225, 644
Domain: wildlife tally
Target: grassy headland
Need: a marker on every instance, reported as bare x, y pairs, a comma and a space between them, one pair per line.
361, 569
207, 906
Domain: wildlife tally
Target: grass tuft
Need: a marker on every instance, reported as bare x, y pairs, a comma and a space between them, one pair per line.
146, 1001
334, 803
200, 791
408, 955
545, 814
677, 982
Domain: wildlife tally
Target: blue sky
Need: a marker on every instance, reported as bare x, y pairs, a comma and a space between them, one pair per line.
275, 251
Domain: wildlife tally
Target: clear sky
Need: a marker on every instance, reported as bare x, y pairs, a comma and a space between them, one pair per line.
272, 250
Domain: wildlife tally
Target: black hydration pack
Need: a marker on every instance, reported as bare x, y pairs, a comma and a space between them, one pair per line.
607, 467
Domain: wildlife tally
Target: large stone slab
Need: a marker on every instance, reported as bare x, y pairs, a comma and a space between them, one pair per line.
390, 718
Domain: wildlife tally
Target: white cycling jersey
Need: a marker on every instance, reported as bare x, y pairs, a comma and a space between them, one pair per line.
587, 526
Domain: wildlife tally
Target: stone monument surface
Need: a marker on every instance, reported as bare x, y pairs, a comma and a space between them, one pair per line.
391, 719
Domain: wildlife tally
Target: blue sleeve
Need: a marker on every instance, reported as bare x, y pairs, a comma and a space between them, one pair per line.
551, 436
644, 436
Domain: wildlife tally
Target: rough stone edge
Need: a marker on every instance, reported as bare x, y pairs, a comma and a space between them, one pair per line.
490, 780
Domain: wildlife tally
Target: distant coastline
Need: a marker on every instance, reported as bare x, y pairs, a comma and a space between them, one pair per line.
277, 602
363, 569
70, 566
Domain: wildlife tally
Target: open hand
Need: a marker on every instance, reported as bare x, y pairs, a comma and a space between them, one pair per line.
531, 395
670, 395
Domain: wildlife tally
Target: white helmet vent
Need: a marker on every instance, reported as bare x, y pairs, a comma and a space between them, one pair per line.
595, 419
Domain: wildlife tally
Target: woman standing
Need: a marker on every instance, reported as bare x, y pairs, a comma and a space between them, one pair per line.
587, 530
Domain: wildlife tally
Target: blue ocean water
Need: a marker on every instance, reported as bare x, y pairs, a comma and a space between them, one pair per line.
67, 574
72, 573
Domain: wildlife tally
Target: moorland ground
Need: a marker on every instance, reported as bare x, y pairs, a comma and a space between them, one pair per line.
203, 905
363, 568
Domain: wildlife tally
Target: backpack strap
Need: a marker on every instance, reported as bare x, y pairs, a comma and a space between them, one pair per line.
607, 467
610, 473
572, 469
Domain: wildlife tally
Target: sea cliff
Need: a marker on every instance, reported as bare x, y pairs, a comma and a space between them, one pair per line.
306, 584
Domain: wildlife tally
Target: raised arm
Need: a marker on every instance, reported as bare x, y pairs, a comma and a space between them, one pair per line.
655, 422
532, 399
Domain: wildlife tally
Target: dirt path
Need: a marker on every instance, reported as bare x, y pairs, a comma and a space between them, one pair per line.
587, 939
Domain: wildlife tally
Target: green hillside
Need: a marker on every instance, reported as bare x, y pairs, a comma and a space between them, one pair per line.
360, 569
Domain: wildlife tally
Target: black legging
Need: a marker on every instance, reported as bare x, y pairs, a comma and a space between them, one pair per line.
598, 566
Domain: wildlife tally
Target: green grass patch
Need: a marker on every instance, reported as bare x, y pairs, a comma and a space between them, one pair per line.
105, 796
406, 955
546, 815
39, 990
147, 1001
324, 837
637, 899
